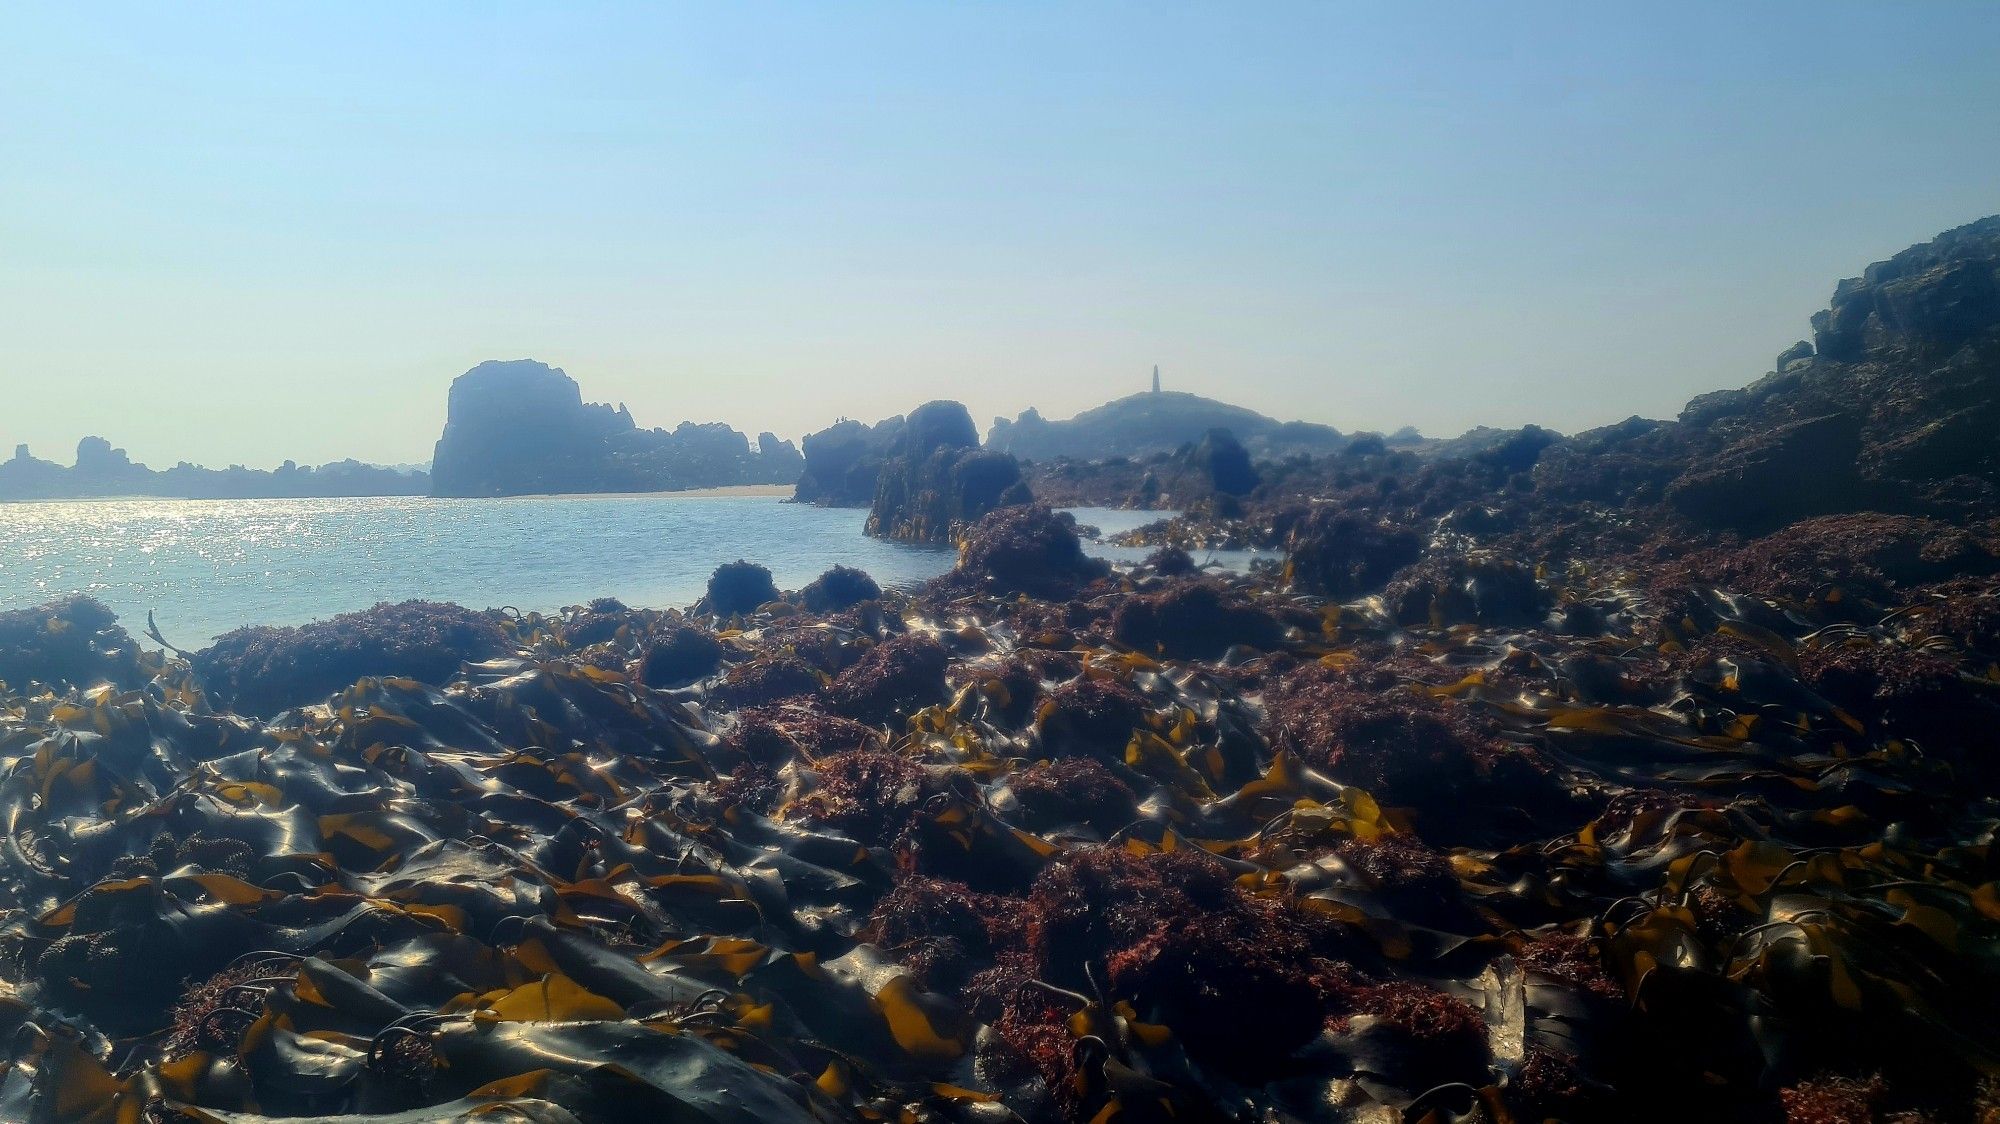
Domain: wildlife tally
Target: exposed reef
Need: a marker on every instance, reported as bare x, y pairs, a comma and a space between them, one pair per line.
1542, 782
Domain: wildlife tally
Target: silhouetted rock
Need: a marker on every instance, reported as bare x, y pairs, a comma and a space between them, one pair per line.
1771, 477
843, 462
839, 588
683, 655
739, 587
103, 470
521, 427
939, 480
1226, 462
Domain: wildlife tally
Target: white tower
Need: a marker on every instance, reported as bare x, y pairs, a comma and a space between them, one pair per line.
1156, 378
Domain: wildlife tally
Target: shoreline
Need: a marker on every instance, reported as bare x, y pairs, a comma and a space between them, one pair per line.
727, 491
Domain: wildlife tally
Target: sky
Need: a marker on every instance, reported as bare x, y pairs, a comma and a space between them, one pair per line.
241, 234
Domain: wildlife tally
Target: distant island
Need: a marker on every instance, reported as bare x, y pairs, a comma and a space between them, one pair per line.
103, 471
1158, 421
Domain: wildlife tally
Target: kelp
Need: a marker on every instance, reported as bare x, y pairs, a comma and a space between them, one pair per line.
1589, 848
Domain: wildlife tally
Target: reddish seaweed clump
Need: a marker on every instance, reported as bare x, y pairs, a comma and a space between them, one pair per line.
1091, 718
262, 669
1573, 959
871, 796
1229, 973
740, 587
940, 929
1075, 790
774, 735
763, 681
1830, 1099
1468, 589
1026, 549
682, 655
841, 587
892, 681
1192, 620
1341, 554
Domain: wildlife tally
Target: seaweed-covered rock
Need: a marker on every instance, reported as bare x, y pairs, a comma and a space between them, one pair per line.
1029, 550
1342, 554
1193, 620
680, 656
740, 587
765, 680
72, 642
1171, 562
892, 681
262, 670
841, 587
1091, 718
941, 481
1229, 972
871, 796
1072, 791
1480, 588
1865, 553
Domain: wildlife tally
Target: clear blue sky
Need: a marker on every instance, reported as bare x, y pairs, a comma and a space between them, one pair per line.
246, 233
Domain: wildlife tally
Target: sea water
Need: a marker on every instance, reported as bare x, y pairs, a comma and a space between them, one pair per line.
207, 566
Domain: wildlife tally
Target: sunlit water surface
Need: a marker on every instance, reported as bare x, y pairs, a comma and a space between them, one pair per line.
207, 566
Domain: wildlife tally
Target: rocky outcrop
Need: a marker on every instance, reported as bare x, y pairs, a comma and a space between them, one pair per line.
102, 469
522, 428
939, 480
1902, 381
843, 462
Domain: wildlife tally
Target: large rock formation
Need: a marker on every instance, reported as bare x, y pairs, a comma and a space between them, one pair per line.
843, 462
1894, 406
522, 427
939, 480
1162, 421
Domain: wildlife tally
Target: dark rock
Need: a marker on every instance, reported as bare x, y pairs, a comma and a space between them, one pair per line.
1341, 554
1772, 477
1171, 562
683, 655
1227, 463
739, 587
1027, 549
841, 587
766, 680
262, 670
843, 462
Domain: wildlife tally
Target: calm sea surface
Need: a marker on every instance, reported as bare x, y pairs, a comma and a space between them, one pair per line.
207, 566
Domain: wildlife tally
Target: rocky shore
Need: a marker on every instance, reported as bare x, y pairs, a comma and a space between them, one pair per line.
1642, 774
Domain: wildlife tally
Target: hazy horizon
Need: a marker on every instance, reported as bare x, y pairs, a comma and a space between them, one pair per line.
241, 235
